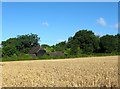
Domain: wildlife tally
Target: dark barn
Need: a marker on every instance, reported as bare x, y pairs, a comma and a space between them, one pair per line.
37, 51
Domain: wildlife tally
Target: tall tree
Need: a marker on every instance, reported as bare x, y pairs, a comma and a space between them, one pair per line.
60, 46
108, 44
21, 44
86, 40
26, 42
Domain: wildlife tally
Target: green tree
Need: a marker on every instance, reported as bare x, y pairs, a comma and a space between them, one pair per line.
21, 44
0, 52
9, 50
45, 45
84, 39
75, 48
118, 41
60, 46
67, 52
10, 41
48, 48
26, 42
108, 44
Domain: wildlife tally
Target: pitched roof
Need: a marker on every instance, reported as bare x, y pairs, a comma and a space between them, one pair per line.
35, 49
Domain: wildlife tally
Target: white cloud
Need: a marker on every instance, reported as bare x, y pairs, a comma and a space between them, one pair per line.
101, 21
45, 24
61, 40
98, 34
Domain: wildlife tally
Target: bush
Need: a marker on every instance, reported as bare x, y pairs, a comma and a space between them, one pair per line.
50, 57
18, 58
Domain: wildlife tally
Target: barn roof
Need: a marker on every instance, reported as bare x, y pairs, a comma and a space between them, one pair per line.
35, 49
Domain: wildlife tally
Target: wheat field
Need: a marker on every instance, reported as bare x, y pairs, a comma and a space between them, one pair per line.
73, 72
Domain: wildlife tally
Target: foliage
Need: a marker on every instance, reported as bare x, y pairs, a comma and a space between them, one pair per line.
48, 48
21, 44
108, 44
84, 40
118, 42
18, 58
60, 46
0, 52
51, 57
26, 42
84, 43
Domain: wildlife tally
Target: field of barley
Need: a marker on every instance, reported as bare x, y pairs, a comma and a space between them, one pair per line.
74, 72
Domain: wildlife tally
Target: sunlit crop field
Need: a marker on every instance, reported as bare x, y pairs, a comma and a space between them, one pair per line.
76, 72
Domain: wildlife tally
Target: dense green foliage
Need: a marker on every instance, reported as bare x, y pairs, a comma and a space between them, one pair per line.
83, 43
108, 44
21, 44
86, 42
0, 54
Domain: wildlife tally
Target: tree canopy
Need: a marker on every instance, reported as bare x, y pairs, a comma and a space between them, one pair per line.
83, 42
108, 44
21, 44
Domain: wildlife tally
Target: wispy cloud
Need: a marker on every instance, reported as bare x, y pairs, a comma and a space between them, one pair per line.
98, 34
101, 21
61, 40
45, 24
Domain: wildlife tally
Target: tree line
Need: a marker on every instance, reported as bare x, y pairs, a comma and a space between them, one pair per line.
83, 42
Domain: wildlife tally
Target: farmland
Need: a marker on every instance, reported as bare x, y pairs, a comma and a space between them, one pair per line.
73, 72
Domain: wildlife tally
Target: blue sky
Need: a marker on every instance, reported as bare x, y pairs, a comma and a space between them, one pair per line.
55, 22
